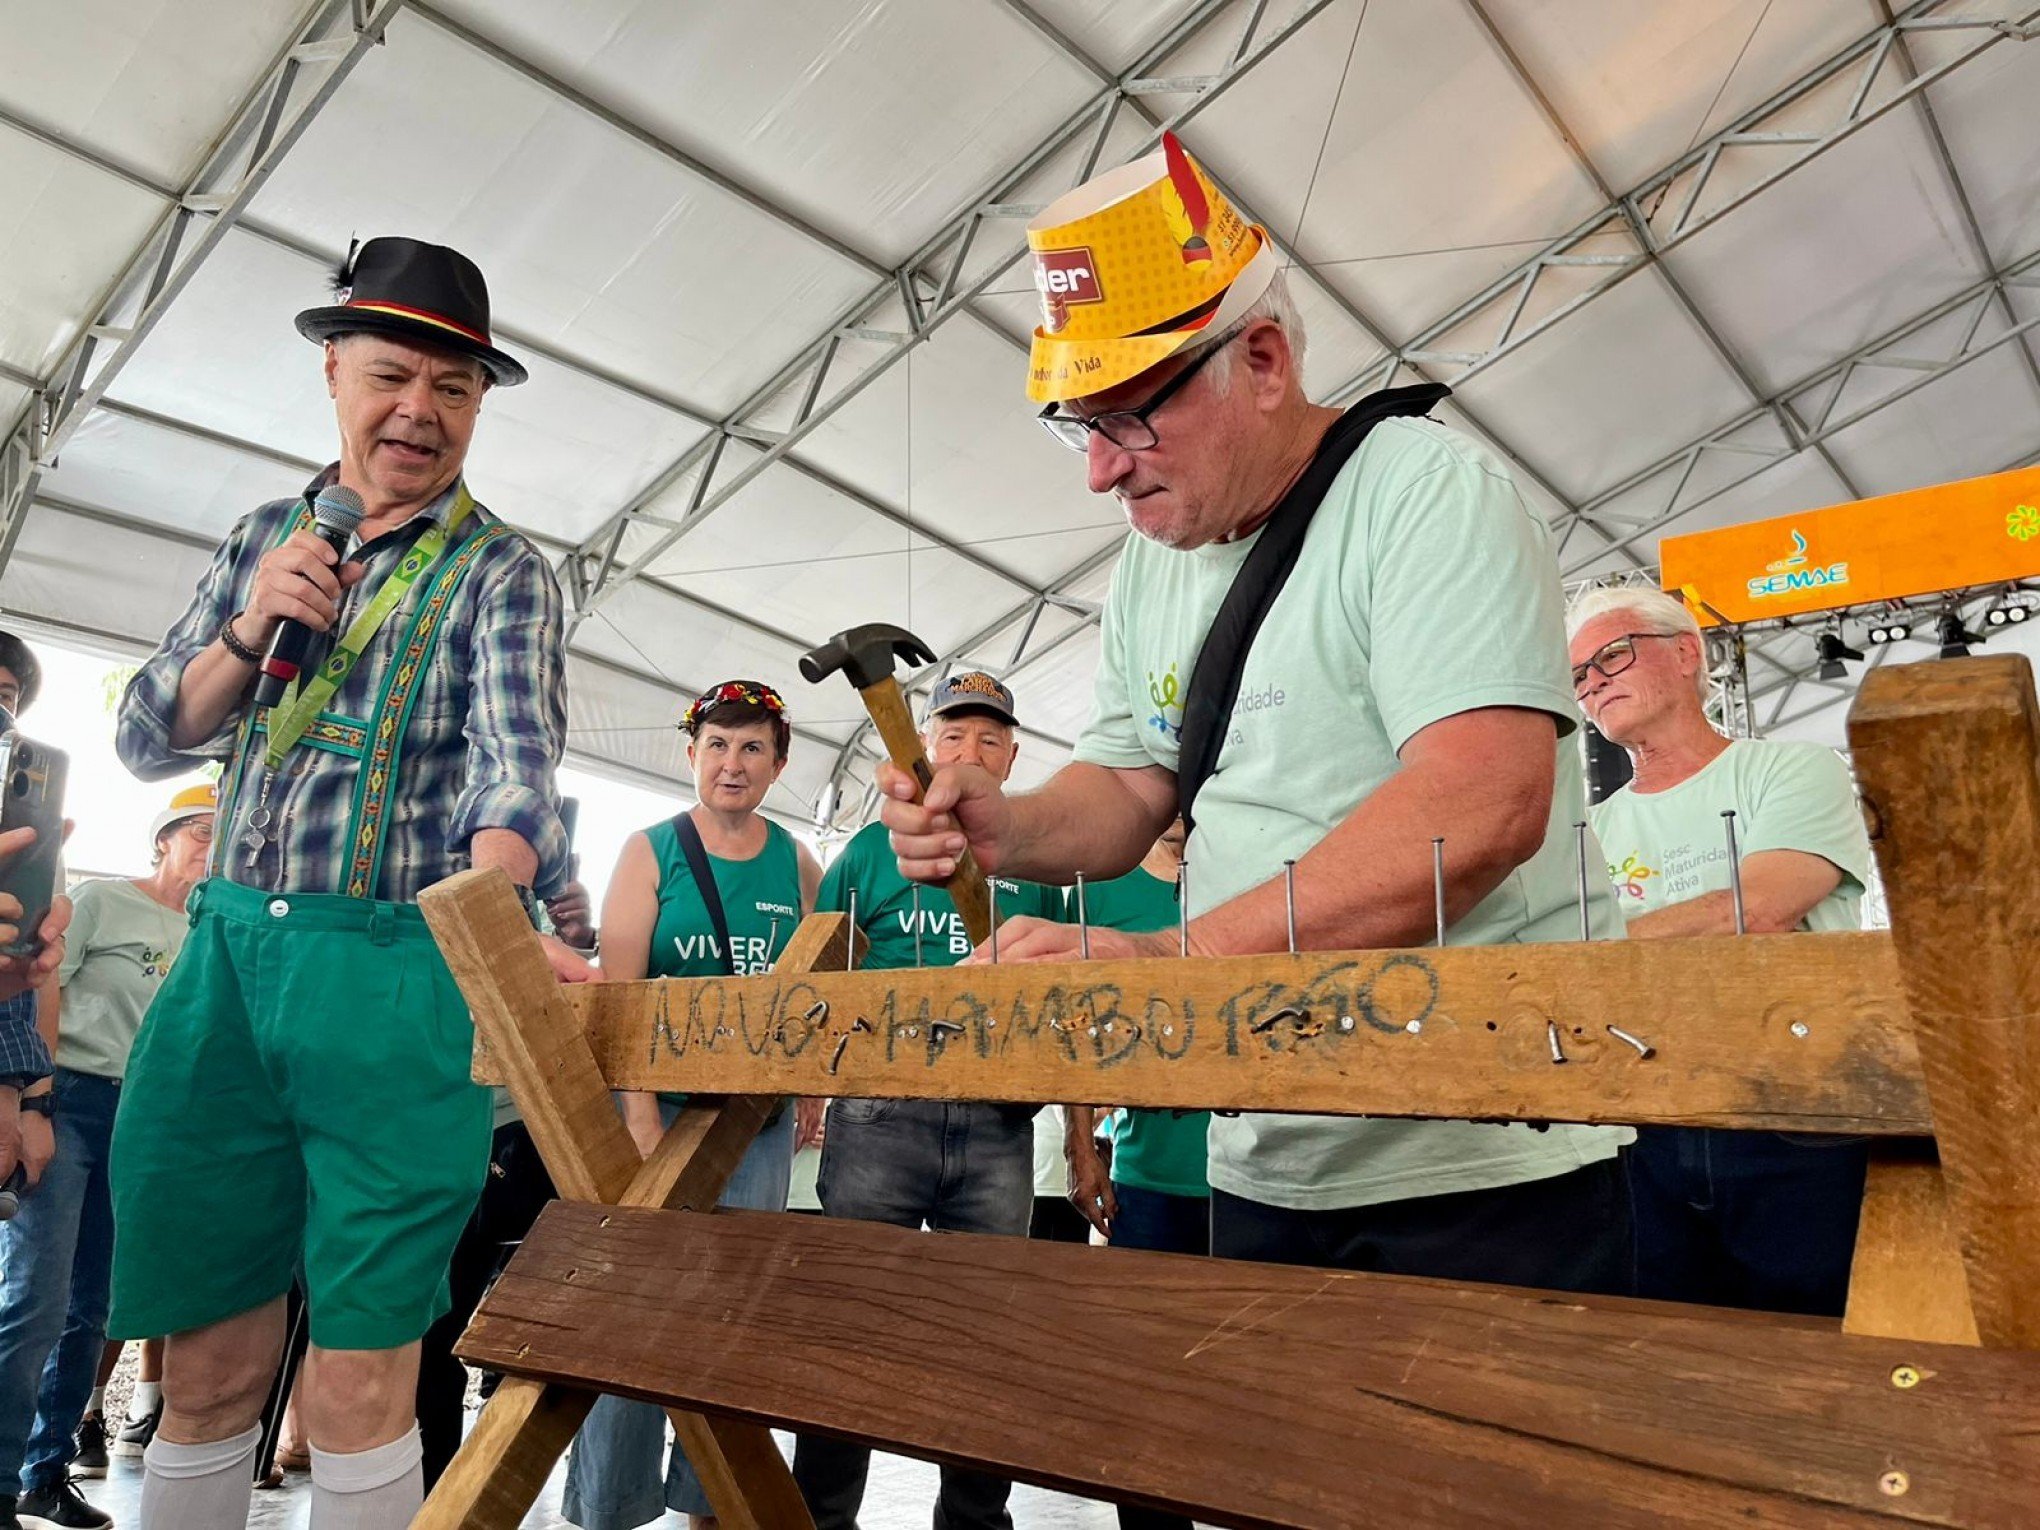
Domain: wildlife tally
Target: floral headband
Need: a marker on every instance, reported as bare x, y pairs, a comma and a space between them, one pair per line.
745, 692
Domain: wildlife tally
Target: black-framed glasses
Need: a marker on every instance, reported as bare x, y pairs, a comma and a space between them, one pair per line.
1612, 657
1127, 429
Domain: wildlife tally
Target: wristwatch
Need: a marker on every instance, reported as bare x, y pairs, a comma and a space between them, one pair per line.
41, 1104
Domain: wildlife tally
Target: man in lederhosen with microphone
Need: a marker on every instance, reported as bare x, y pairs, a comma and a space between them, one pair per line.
299, 1100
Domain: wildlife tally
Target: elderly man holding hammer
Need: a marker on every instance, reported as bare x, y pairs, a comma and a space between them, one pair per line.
1372, 629
955, 1166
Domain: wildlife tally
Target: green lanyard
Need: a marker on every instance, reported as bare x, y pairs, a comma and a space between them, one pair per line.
295, 713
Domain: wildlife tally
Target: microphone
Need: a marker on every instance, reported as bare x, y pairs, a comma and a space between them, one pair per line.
335, 513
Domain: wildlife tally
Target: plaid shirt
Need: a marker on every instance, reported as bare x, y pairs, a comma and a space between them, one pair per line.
23, 1057
485, 733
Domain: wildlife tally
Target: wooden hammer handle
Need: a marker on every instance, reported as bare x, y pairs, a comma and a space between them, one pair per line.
895, 724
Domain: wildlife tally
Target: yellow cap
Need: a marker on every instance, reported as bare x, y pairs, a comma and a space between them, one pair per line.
192, 802
1134, 265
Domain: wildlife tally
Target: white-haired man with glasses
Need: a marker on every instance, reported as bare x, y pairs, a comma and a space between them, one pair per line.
1403, 683
1732, 1219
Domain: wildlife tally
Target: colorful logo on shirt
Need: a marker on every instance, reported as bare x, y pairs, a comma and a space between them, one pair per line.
1167, 695
1795, 572
1629, 877
155, 963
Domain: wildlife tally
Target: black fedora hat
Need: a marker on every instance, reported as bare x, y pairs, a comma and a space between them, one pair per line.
418, 291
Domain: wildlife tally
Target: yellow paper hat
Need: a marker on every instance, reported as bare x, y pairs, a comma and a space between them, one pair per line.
192, 802
1134, 265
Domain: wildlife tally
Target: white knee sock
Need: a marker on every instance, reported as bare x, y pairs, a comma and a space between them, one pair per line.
198, 1487
379, 1489
96, 1403
147, 1395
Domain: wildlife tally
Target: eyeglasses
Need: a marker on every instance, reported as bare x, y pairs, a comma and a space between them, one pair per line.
1127, 429
1612, 657
201, 830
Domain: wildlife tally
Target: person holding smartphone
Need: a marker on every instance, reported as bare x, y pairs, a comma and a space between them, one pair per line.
56, 1255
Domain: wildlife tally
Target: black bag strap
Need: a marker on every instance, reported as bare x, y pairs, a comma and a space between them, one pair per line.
704, 882
1215, 678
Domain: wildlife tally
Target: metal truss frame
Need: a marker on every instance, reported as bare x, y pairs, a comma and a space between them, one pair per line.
1677, 202
263, 129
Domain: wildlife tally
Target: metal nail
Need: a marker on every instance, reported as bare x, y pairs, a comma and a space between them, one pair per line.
1083, 922
1183, 905
1734, 870
1346, 1022
1586, 919
837, 1056
1287, 1012
1438, 883
940, 1027
850, 946
992, 903
917, 924
1551, 1034
1289, 898
771, 940
1415, 1027
913, 1031
817, 1012
1801, 1029
1643, 1048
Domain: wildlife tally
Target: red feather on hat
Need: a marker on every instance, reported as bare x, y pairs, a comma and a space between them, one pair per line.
1190, 193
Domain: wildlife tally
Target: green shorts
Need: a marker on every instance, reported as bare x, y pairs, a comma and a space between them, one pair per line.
298, 1100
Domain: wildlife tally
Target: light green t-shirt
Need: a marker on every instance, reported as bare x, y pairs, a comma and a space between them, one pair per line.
117, 952
1425, 588
1672, 846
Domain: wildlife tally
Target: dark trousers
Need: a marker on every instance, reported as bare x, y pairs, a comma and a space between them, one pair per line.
516, 1191
956, 1167
1166, 1224
1746, 1219
1566, 1233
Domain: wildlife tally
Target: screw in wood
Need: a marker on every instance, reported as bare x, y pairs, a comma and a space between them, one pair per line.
1346, 1022
1734, 870
1801, 1029
1289, 897
1414, 1027
1551, 1034
1438, 884
1893, 1484
1643, 1048
1905, 1377
1083, 922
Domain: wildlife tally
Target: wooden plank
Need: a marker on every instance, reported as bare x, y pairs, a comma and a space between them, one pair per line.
1907, 1280
1265, 1395
1949, 763
1788, 1032
531, 1037
495, 1476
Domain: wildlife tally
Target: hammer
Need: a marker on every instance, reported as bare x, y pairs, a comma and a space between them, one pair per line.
865, 654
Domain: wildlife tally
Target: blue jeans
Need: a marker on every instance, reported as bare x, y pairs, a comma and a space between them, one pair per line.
955, 1168
56, 1258
1746, 1219
1154, 1219
613, 1476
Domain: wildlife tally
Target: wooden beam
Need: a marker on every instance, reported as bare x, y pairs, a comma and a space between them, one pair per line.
522, 1021
1907, 1280
1789, 1032
1266, 1395
1948, 755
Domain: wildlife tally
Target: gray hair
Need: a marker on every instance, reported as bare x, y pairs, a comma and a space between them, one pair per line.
1651, 609
1277, 305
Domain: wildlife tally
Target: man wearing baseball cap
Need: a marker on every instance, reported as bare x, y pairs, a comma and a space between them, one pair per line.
962, 1166
419, 736
1335, 638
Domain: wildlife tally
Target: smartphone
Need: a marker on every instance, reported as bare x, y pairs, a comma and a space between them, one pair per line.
32, 779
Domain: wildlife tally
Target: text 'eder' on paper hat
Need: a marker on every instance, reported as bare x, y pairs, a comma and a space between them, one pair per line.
972, 690
192, 802
1134, 265
418, 291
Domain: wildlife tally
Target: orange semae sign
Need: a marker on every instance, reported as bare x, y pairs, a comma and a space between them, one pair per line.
1953, 536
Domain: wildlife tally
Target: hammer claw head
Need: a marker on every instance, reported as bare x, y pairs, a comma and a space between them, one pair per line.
865, 654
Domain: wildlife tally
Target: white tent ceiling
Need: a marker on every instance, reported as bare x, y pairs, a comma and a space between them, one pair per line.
1686, 263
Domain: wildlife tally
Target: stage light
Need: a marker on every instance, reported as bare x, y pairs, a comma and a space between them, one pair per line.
1953, 637
1832, 652
1892, 632
2000, 616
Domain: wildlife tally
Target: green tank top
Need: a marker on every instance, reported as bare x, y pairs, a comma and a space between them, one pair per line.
1160, 1150
760, 898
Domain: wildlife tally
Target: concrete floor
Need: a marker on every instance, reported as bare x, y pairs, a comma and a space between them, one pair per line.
901, 1497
